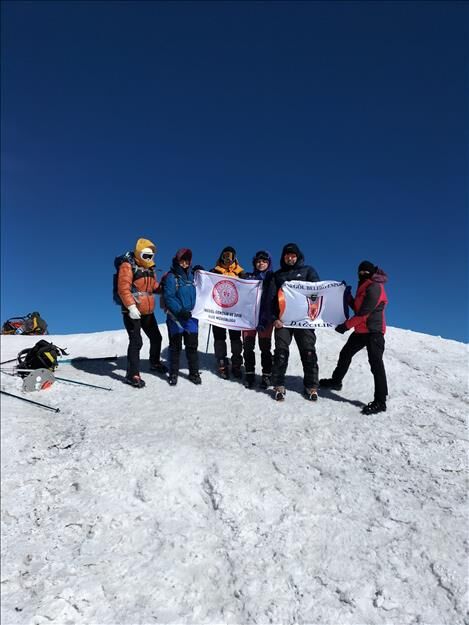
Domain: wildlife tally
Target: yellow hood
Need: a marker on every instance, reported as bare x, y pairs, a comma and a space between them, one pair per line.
144, 245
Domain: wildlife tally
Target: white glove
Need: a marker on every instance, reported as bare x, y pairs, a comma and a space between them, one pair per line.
133, 312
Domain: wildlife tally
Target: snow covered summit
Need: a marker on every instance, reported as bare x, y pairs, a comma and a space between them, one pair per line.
215, 504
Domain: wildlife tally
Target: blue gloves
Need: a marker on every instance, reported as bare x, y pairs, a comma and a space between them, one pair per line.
198, 268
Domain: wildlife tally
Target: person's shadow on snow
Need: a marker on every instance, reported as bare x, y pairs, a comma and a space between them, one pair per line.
327, 393
105, 367
206, 363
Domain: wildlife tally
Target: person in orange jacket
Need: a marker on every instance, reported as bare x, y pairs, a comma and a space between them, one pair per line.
136, 286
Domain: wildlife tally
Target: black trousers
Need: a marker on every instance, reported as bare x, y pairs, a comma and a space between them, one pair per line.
148, 324
306, 342
374, 343
191, 343
219, 340
265, 345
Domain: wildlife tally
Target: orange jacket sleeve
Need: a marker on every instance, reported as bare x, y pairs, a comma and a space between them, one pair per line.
124, 284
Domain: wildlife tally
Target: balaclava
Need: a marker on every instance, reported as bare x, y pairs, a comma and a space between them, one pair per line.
367, 266
227, 252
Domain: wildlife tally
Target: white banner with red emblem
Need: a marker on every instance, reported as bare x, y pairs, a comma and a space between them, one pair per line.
227, 302
312, 304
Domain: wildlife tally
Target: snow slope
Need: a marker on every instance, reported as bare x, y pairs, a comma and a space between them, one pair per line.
215, 504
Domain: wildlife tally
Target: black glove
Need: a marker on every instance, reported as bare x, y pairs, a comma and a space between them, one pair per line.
184, 315
341, 329
198, 268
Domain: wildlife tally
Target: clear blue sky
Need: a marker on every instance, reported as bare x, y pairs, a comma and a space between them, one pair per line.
341, 126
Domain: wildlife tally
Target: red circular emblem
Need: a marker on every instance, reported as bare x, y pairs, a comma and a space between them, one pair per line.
225, 293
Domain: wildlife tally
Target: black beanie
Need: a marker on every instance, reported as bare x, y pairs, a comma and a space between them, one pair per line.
365, 265
291, 248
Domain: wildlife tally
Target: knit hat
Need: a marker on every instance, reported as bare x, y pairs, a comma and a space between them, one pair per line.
367, 266
184, 254
144, 253
291, 248
262, 255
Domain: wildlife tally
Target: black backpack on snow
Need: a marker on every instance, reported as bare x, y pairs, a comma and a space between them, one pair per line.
43, 355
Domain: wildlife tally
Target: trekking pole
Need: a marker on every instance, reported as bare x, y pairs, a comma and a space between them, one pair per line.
30, 401
7, 361
208, 338
103, 388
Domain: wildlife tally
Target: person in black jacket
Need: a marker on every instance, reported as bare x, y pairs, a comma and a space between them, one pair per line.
262, 270
292, 267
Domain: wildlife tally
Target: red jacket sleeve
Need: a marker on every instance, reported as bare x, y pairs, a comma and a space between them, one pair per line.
370, 301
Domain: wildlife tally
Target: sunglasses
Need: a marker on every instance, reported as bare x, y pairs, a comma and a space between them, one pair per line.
227, 258
145, 256
264, 259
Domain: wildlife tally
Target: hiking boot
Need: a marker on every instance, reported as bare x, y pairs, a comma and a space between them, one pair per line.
334, 385
173, 379
279, 393
236, 371
249, 380
135, 381
311, 394
159, 367
374, 407
223, 369
195, 378
265, 380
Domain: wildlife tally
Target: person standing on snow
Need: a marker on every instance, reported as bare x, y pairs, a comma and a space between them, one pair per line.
262, 265
292, 267
179, 299
227, 265
369, 326
136, 285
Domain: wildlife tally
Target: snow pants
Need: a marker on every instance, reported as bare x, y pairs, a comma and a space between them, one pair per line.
191, 343
264, 338
148, 324
306, 342
374, 343
219, 340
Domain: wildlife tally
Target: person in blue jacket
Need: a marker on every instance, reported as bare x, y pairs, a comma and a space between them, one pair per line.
179, 299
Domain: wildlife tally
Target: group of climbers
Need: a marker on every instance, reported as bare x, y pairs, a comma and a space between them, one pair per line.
137, 285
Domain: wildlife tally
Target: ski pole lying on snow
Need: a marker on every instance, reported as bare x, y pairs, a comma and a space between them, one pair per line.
7, 361
30, 401
104, 388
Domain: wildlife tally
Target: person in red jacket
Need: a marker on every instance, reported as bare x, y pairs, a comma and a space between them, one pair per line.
370, 326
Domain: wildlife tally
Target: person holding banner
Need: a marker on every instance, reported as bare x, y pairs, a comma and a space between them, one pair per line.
179, 299
369, 326
292, 267
262, 265
227, 265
